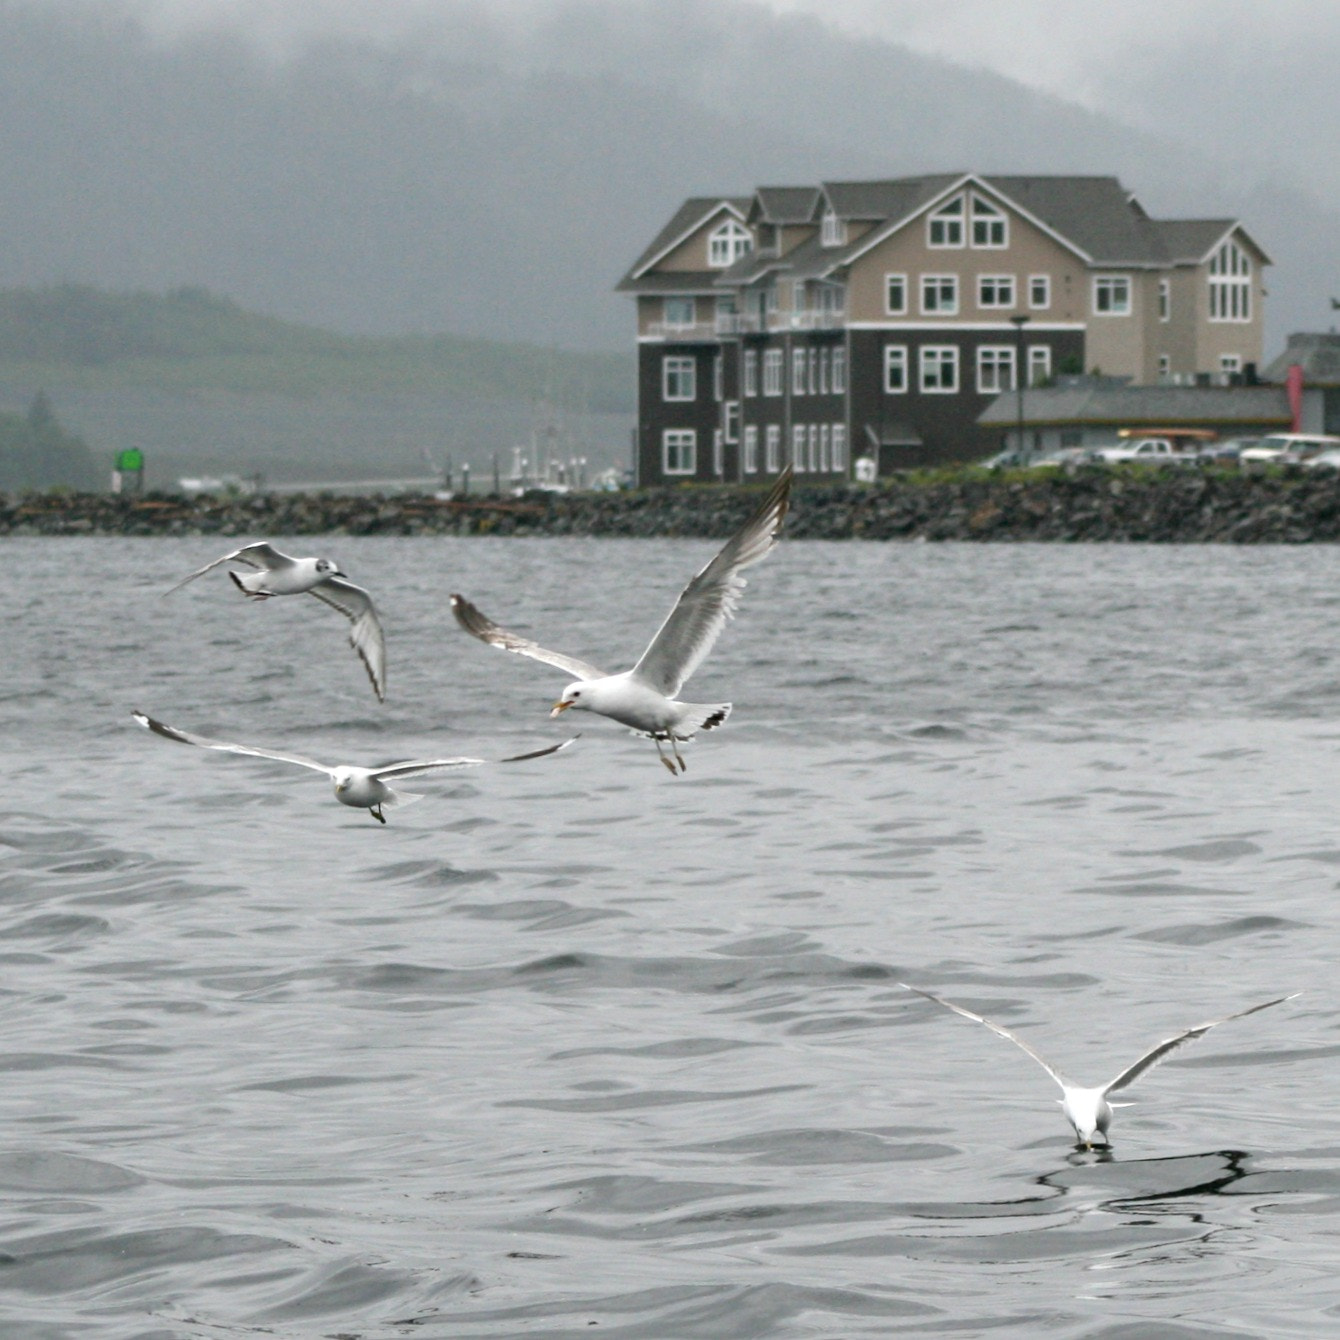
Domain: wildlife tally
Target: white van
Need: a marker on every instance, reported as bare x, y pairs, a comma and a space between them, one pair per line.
1287, 448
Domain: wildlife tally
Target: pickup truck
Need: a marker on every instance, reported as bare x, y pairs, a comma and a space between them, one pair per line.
1144, 450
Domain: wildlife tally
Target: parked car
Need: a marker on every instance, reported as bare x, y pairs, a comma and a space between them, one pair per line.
1324, 460
1145, 451
1287, 449
1227, 452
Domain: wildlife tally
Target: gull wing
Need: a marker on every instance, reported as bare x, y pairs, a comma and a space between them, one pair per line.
366, 636
260, 555
481, 626
700, 613
1169, 1045
409, 769
204, 742
1063, 1080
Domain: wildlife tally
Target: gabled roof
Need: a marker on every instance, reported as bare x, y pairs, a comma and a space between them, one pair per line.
784, 204
687, 219
892, 199
1193, 241
1096, 215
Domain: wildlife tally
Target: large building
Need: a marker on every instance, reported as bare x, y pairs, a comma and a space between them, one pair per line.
816, 325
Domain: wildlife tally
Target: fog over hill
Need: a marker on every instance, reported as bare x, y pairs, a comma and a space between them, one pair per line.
491, 172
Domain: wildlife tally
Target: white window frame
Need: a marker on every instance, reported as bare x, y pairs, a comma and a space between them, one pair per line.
730, 421
1106, 289
797, 371
1230, 363
718, 378
1165, 299
1039, 292
945, 228
749, 363
683, 442
832, 230
840, 447
895, 360
798, 448
688, 314
825, 359
937, 289
1230, 280
839, 371
934, 361
772, 372
682, 371
1039, 364
727, 243
994, 220
750, 454
825, 431
772, 448
895, 285
995, 292
995, 368
718, 455
814, 448
1165, 365
812, 365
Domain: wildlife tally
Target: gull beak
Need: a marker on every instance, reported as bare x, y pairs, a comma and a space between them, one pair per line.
561, 706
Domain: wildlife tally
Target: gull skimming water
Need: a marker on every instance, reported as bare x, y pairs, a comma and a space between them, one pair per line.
1088, 1110
281, 575
361, 788
644, 697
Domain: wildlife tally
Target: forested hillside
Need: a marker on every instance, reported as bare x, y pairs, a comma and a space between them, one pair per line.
189, 337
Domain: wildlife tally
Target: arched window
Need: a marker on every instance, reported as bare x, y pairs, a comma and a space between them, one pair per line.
1230, 284
726, 244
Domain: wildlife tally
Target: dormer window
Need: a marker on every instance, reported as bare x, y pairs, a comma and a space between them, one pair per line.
726, 244
988, 224
833, 231
944, 228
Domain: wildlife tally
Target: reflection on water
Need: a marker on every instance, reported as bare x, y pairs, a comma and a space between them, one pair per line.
575, 1047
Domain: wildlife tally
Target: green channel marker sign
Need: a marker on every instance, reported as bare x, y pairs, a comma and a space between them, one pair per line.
130, 460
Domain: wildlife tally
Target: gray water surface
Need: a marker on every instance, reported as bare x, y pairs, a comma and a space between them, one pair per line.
575, 1048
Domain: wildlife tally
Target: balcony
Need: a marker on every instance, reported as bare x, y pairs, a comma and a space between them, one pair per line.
695, 332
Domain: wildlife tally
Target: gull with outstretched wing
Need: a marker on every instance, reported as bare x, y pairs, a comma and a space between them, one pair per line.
361, 788
1088, 1109
281, 575
645, 697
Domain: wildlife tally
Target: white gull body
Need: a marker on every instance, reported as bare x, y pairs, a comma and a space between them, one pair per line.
281, 575
1087, 1109
645, 698
360, 788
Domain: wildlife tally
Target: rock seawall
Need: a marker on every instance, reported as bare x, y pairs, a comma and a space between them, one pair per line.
1291, 506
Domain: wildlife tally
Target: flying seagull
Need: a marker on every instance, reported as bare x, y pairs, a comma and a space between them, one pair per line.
645, 696
281, 575
361, 788
1088, 1110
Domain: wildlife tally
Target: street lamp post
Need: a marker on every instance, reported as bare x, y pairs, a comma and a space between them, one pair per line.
1019, 322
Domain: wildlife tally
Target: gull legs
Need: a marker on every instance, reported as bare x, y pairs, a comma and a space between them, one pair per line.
674, 749
376, 812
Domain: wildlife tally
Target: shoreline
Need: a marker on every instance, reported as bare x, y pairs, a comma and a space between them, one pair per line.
1286, 506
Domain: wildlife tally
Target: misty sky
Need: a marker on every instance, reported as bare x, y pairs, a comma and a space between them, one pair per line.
490, 167
1255, 77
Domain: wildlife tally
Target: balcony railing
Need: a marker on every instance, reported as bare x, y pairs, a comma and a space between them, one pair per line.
747, 323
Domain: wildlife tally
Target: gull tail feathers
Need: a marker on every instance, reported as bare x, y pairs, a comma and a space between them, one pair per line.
700, 716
